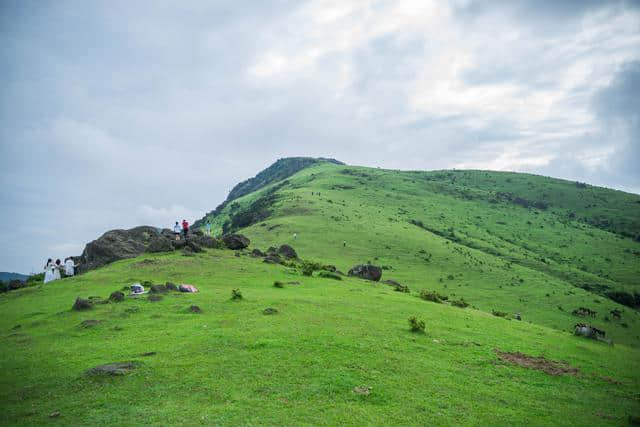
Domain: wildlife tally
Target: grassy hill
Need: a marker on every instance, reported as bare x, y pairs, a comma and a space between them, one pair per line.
340, 351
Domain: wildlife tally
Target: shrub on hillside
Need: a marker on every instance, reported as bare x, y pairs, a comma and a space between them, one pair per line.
236, 294
460, 303
416, 325
329, 275
35, 278
432, 296
278, 284
499, 313
625, 298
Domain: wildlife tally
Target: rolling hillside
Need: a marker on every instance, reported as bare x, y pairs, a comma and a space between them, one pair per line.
336, 349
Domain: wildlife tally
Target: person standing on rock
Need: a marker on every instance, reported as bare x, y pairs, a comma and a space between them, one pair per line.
185, 228
208, 228
177, 230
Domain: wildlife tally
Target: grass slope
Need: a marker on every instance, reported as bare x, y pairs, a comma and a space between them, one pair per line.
497, 254
233, 365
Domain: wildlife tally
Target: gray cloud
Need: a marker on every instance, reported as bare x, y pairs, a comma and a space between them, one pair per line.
119, 113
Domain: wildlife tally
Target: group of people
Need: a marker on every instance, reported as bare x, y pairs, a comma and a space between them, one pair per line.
53, 270
183, 229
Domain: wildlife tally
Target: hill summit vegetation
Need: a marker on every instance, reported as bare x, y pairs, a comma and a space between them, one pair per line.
354, 295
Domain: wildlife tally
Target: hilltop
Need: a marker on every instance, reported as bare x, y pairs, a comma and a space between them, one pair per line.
466, 252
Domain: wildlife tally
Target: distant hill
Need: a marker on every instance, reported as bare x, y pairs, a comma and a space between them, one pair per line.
280, 170
6, 276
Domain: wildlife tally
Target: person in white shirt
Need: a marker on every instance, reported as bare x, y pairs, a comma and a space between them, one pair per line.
177, 230
69, 267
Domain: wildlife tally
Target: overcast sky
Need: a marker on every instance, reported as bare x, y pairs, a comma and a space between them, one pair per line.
120, 113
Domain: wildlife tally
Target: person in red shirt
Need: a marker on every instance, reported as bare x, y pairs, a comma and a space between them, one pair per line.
185, 228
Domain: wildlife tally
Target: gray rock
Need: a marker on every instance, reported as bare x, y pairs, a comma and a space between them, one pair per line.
116, 369
287, 252
160, 244
235, 241
366, 271
82, 304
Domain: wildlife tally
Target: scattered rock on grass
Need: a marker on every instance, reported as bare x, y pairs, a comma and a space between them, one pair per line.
116, 296
195, 309
171, 286
116, 369
272, 259
366, 271
235, 241
257, 253
270, 310
89, 323
287, 252
158, 289
149, 353
82, 304
155, 297
54, 414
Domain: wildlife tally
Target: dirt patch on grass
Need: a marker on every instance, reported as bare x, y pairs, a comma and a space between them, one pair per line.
550, 367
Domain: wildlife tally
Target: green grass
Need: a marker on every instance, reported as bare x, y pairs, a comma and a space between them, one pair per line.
448, 232
232, 364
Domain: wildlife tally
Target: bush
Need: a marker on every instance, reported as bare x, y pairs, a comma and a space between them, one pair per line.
432, 296
416, 325
499, 313
236, 294
35, 278
329, 275
278, 284
460, 303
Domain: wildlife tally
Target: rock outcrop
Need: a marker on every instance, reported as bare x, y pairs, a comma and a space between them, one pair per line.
366, 271
115, 245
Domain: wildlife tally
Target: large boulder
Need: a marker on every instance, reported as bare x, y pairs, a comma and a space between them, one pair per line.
366, 271
235, 241
287, 252
115, 245
160, 244
205, 241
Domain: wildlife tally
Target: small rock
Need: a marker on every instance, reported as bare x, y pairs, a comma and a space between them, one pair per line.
195, 309
55, 414
158, 289
272, 259
116, 369
149, 353
257, 253
82, 304
171, 286
116, 296
269, 310
89, 323
366, 271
